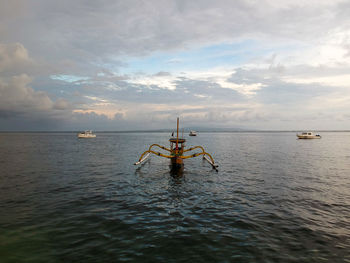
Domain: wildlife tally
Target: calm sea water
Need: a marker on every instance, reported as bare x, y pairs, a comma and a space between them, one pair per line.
274, 199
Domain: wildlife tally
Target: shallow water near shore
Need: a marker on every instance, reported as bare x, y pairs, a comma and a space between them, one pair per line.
273, 199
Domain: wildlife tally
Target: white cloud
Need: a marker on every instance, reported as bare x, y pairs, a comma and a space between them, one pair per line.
202, 96
155, 81
222, 78
14, 58
18, 96
245, 89
340, 81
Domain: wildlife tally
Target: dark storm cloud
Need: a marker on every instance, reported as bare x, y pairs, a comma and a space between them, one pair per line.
86, 30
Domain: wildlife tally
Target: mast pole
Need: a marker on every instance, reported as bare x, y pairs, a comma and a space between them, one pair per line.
177, 134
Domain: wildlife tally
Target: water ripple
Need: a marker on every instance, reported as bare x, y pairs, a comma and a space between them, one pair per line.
274, 199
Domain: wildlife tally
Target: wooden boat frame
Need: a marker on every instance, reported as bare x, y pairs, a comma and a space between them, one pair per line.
176, 154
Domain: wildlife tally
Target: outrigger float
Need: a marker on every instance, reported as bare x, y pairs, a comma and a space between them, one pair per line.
176, 152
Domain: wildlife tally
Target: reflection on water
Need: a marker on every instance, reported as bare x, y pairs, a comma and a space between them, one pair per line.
176, 171
274, 199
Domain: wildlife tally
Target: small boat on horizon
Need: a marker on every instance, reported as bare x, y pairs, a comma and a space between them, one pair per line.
193, 133
86, 134
308, 135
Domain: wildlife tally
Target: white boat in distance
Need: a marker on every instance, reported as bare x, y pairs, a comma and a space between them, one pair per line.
193, 133
308, 135
86, 134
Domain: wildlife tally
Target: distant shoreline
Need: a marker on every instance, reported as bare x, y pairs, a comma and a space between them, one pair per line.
170, 131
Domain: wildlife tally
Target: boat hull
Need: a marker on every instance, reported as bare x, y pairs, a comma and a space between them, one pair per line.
308, 137
86, 136
176, 166
192, 133
176, 161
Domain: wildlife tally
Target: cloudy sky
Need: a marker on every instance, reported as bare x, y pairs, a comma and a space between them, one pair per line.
125, 65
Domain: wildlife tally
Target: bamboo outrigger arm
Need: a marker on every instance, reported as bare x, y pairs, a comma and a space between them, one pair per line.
197, 154
160, 146
205, 154
144, 156
147, 153
194, 147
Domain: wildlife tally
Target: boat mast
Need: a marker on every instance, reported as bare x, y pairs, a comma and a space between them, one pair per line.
177, 135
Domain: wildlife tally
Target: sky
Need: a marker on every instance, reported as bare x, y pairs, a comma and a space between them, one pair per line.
136, 65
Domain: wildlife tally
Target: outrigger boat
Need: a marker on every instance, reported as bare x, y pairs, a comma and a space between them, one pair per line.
176, 152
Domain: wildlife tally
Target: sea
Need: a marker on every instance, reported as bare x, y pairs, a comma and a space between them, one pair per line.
274, 198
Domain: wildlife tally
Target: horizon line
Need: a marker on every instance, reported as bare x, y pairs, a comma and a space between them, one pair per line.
164, 131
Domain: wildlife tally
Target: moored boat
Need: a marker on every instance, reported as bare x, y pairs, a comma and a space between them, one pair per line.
308, 135
193, 133
86, 134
